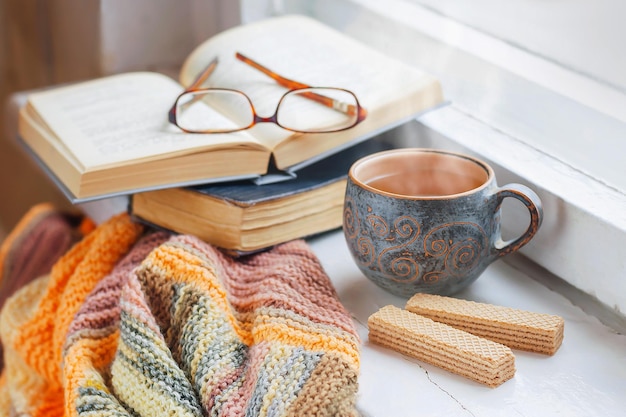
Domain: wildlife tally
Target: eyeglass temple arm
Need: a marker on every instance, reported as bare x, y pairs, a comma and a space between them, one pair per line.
291, 84
200, 79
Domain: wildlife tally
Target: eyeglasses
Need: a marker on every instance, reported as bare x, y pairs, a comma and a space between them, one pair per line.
303, 108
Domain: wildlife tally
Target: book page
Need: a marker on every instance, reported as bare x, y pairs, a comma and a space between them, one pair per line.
121, 119
304, 50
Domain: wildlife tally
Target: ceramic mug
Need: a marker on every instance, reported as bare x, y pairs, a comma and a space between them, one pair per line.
426, 220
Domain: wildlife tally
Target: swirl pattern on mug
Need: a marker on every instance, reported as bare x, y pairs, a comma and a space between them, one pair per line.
448, 250
397, 262
458, 245
350, 219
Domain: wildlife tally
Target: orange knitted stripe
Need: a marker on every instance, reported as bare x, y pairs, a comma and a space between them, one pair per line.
313, 342
72, 278
108, 250
97, 353
34, 340
86, 356
50, 404
86, 226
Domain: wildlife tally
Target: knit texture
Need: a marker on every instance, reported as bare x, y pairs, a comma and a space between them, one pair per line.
38, 240
175, 327
39, 339
21, 386
35, 244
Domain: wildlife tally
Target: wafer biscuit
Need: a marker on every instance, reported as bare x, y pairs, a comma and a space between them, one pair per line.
441, 345
518, 329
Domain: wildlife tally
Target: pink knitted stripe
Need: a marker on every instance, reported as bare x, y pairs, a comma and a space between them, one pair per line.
34, 251
275, 292
288, 277
101, 307
237, 404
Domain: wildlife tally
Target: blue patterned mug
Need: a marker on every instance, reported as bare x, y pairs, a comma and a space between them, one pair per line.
426, 220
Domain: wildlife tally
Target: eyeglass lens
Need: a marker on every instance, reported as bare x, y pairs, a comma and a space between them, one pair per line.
205, 110
301, 110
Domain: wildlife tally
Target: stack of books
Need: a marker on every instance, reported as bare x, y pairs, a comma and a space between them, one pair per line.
242, 191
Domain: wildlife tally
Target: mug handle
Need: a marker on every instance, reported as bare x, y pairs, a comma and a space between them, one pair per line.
532, 202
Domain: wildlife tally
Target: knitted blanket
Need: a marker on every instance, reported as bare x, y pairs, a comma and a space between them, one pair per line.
140, 323
36, 242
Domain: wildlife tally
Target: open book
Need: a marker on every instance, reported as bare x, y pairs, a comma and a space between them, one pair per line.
111, 136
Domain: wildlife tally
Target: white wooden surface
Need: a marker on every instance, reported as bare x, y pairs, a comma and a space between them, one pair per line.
584, 378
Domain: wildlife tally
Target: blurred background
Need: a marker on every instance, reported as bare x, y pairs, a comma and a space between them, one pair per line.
49, 42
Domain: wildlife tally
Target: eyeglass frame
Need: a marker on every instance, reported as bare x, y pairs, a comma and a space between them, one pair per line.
361, 112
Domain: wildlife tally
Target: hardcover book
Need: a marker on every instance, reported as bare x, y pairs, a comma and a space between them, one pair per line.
243, 217
111, 136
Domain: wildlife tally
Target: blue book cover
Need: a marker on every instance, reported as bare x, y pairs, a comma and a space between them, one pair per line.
331, 169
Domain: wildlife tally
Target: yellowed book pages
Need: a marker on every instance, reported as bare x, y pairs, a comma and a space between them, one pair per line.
116, 136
